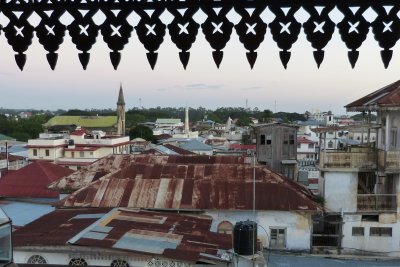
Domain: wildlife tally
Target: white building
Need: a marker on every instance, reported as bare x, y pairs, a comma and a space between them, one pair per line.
76, 149
361, 183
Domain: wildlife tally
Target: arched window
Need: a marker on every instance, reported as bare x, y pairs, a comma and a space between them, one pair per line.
119, 263
77, 262
36, 259
225, 227
330, 144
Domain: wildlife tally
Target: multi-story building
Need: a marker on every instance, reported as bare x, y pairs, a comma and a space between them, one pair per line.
361, 183
306, 149
77, 149
277, 147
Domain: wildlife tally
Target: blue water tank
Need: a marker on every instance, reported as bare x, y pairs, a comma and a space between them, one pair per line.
245, 238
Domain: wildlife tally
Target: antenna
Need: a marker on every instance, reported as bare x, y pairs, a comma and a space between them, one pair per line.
140, 102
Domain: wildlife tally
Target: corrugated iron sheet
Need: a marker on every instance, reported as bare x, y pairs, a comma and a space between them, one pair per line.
191, 182
32, 180
386, 96
170, 235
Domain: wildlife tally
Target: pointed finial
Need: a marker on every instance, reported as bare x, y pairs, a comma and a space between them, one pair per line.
121, 100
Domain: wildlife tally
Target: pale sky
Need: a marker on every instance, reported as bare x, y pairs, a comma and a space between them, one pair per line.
299, 88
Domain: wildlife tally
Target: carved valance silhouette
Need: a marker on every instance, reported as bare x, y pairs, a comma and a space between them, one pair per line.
150, 29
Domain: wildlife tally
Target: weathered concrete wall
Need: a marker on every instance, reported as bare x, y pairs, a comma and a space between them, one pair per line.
340, 191
297, 225
367, 243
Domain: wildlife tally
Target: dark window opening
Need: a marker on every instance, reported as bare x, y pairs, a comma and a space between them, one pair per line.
262, 139
380, 231
357, 231
370, 218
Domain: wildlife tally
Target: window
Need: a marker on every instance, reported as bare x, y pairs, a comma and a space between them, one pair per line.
225, 227
298, 145
310, 145
36, 259
380, 231
262, 139
81, 154
35, 152
357, 231
72, 154
393, 137
119, 263
291, 139
330, 144
370, 218
278, 238
47, 152
269, 139
77, 262
91, 153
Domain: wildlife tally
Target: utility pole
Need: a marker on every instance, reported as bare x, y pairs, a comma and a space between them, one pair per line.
7, 154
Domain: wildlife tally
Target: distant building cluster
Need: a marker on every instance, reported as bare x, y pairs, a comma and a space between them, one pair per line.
325, 185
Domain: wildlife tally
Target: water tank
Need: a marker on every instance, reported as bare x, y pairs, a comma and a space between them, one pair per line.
245, 238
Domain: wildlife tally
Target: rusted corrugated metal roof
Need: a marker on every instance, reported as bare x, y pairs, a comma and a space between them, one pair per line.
56, 228
191, 182
169, 235
386, 96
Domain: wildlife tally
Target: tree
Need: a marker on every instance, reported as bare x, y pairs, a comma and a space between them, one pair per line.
244, 121
267, 115
141, 131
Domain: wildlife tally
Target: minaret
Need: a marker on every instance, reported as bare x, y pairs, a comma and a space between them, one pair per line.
186, 120
121, 113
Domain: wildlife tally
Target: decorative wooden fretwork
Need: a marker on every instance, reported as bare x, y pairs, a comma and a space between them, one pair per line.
255, 19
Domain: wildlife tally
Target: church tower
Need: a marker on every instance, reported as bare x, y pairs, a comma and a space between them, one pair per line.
121, 113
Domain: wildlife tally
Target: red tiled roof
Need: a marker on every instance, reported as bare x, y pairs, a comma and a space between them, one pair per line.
242, 147
103, 145
386, 96
85, 148
188, 182
73, 163
11, 158
32, 180
190, 233
303, 140
79, 132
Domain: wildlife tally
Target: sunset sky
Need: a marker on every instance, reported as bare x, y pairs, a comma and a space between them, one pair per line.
299, 88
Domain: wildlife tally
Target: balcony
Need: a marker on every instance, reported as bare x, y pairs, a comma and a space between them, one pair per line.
374, 202
389, 160
359, 158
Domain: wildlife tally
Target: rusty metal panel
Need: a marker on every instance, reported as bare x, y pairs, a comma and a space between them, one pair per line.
100, 193
118, 192
162, 195
187, 193
199, 171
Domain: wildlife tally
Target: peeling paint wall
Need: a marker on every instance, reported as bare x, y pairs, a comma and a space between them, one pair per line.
297, 225
368, 243
340, 191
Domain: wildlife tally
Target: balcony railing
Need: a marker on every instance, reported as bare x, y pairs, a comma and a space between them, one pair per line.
389, 160
374, 202
362, 158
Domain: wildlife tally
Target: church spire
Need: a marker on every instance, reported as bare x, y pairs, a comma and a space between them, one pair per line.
121, 112
121, 100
